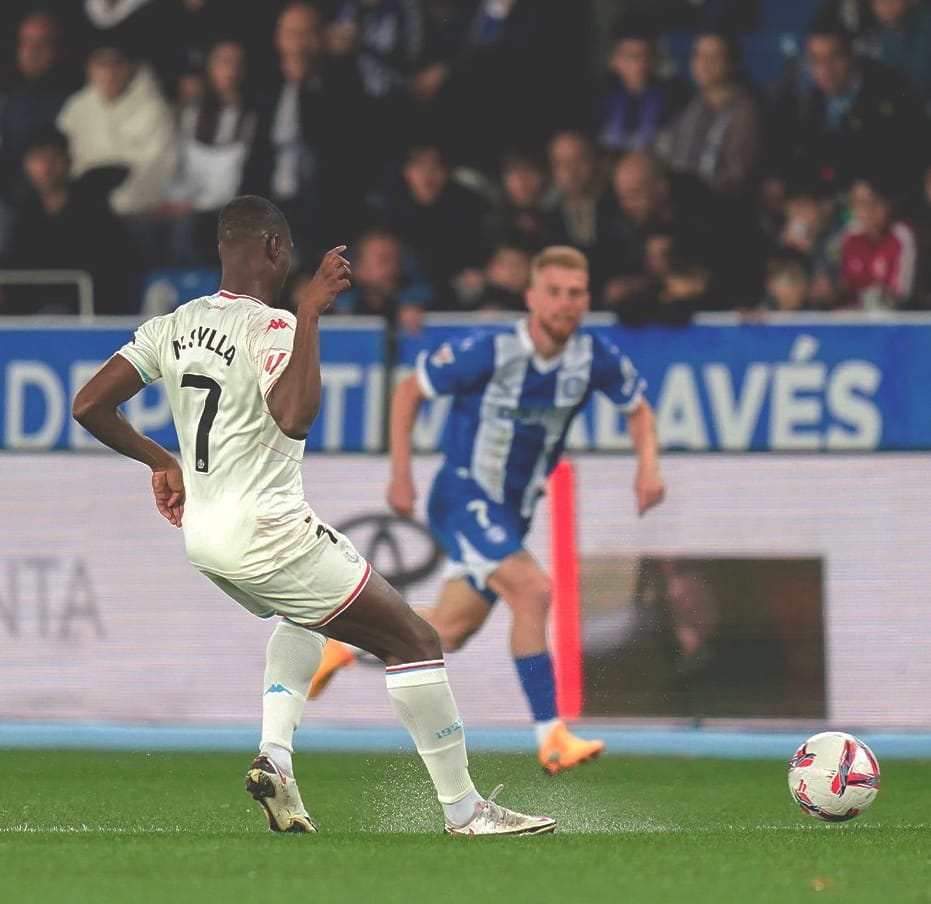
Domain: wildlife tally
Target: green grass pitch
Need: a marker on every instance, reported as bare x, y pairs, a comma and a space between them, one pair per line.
132, 828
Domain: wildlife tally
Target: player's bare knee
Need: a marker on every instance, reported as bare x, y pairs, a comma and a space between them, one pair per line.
533, 599
455, 635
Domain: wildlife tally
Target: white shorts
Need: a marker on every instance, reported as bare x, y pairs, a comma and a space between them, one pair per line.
309, 590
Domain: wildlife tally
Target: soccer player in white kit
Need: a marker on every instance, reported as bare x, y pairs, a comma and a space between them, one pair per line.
243, 381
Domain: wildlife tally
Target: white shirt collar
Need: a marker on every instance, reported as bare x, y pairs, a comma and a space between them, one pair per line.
543, 365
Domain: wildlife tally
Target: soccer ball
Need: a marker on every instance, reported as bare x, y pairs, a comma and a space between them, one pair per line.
833, 776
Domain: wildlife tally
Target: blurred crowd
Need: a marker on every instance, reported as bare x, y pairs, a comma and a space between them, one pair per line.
446, 141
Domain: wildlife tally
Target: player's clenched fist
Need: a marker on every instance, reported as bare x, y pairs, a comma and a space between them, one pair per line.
168, 487
401, 496
333, 275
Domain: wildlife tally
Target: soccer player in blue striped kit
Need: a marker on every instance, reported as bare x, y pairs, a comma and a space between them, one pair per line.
515, 394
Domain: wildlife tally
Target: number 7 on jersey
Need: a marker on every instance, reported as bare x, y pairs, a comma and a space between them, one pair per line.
211, 405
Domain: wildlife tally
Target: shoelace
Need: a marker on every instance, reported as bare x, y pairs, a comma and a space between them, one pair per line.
496, 813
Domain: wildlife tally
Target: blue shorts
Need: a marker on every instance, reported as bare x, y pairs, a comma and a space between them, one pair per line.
476, 532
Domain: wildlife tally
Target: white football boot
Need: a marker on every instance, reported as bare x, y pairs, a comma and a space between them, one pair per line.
493, 819
278, 796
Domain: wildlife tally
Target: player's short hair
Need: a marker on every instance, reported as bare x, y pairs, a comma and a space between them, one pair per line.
249, 216
558, 256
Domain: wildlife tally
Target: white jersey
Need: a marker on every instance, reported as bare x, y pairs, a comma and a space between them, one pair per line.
220, 356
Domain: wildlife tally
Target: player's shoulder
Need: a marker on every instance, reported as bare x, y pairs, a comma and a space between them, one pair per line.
609, 360
602, 345
263, 319
468, 347
156, 326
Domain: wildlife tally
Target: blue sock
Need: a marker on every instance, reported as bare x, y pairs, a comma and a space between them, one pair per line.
539, 683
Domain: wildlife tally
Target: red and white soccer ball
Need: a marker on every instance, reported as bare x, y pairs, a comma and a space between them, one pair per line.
833, 776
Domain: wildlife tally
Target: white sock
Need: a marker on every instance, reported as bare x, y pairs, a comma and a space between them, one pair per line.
280, 756
542, 729
291, 659
421, 697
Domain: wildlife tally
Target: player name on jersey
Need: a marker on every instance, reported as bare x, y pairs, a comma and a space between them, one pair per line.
205, 337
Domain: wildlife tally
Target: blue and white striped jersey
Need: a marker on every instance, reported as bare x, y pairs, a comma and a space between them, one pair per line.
512, 409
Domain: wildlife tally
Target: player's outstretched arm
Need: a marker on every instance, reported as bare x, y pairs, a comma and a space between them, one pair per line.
96, 409
295, 399
405, 403
648, 483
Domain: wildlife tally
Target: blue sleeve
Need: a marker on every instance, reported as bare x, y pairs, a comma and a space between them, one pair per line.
456, 367
614, 375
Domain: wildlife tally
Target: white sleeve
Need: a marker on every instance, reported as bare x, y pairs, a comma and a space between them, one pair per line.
142, 351
271, 338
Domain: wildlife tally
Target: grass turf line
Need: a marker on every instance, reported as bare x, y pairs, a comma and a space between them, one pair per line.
120, 827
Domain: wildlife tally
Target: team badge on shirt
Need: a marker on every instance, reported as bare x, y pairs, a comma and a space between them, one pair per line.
496, 534
443, 355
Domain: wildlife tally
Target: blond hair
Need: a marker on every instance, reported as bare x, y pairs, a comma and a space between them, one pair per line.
559, 256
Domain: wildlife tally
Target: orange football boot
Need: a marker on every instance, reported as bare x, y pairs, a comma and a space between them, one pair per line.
562, 750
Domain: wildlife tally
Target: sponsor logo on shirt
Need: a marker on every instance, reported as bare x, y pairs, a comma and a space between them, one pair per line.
548, 414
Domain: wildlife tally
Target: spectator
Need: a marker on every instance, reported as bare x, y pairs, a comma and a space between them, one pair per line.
673, 300
858, 115
581, 214
385, 283
65, 224
923, 238
635, 102
516, 67
502, 282
717, 136
788, 282
309, 135
440, 220
120, 119
809, 212
901, 39
878, 254
714, 150
644, 210
196, 26
216, 134
519, 214
35, 98
132, 23
811, 227
385, 39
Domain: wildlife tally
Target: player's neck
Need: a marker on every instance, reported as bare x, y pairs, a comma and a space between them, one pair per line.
544, 344
252, 288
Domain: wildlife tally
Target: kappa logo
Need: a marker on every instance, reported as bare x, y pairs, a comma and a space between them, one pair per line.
277, 689
277, 325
